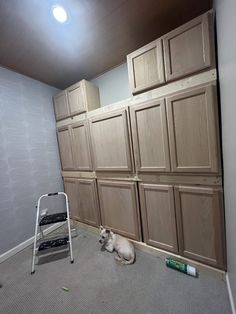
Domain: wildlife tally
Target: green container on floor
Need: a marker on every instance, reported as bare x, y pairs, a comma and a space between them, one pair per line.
182, 267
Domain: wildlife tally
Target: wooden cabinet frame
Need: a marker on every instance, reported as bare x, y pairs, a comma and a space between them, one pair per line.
143, 188
84, 124
79, 85
65, 128
212, 129
135, 133
60, 116
218, 222
121, 113
205, 21
160, 66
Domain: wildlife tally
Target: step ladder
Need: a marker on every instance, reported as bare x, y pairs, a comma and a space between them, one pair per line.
53, 243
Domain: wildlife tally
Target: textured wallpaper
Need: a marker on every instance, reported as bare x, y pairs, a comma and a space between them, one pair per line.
29, 158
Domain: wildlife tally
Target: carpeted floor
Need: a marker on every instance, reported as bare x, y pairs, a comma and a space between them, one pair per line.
98, 285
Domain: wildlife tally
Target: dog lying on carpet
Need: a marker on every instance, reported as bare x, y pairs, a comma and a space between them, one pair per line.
124, 249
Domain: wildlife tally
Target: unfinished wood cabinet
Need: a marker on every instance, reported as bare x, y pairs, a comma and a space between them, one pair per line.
193, 130
71, 189
119, 207
145, 67
150, 136
78, 98
201, 224
61, 106
189, 48
88, 202
111, 141
65, 147
81, 146
158, 216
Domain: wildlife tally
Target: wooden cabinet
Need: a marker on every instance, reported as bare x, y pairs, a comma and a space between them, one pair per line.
65, 147
81, 146
71, 189
158, 216
83, 200
193, 130
88, 202
145, 67
61, 106
150, 136
201, 224
111, 142
78, 98
119, 207
189, 48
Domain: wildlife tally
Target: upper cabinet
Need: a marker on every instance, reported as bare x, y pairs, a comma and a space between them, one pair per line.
150, 136
65, 146
193, 130
187, 49
145, 67
81, 146
78, 98
184, 51
111, 141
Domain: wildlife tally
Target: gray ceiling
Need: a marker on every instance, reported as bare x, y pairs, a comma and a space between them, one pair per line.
99, 35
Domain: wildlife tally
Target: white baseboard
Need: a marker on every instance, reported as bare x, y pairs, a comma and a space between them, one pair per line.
231, 298
26, 243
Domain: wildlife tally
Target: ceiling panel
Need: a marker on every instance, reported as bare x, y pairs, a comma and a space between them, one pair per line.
99, 35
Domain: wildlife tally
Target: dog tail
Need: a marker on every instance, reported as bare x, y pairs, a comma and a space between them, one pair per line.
131, 261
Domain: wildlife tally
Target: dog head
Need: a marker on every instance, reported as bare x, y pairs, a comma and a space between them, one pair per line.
105, 235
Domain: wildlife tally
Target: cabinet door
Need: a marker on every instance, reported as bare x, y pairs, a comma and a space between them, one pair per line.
119, 207
71, 189
61, 106
111, 142
158, 216
76, 98
150, 138
145, 67
64, 141
189, 49
81, 146
88, 201
193, 130
200, 224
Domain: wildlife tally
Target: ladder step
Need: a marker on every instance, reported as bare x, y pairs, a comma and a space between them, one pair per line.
53, 243
51, 219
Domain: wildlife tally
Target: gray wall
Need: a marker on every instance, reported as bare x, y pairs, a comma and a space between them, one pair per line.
29, 159
226, 26
113, 85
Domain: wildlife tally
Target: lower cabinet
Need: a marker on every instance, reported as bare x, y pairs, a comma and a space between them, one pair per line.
158, 216
83, 200
119, 207
201, 224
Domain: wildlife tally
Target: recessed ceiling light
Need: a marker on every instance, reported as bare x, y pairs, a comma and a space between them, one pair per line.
59, 13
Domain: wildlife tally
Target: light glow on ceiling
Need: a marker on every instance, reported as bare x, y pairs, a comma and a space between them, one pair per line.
59, 13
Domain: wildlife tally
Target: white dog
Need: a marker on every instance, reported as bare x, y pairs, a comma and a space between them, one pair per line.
123, 247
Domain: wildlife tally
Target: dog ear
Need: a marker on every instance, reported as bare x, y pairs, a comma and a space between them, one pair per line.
108, 230
101, 228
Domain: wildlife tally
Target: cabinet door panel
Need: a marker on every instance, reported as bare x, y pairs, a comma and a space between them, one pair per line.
119, 207
61, 106
193, 130
111, 142
71, 189
88, 202
81, 146
64, 141
76, 99
200, 224
188, 48
158, 216
145, 67
150, 138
